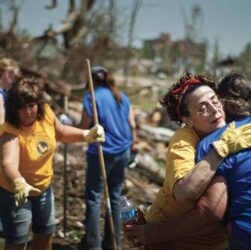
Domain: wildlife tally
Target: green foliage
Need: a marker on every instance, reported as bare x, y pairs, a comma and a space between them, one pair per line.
245, 57
146, 102
1, 244
162, 164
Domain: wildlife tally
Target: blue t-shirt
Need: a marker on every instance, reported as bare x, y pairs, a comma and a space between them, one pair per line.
113, 117
3, 92
236, 169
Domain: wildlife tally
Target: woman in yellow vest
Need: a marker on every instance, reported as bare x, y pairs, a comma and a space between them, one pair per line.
27, 148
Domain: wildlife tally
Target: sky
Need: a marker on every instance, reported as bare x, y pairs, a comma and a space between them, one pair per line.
227, 21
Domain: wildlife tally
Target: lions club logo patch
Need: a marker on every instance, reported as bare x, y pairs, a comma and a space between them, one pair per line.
42, 147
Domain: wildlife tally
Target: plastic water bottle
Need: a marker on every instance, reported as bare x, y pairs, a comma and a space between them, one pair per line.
66, 120
129, 214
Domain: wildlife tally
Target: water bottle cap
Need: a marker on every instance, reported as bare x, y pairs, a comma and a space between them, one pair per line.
123, 197
124, 201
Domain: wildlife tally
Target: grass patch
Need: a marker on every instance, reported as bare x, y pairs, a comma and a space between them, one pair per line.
161, 164
1, 243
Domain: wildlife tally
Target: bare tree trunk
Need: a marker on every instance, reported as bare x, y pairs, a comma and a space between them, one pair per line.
71, 6
112, 10
135, 9
14, 21
54, 4
74, 26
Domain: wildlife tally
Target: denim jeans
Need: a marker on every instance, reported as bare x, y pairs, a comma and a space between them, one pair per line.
1, 228
115, 168
16, 220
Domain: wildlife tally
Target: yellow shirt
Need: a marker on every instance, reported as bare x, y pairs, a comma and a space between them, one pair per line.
37, 147
179, 161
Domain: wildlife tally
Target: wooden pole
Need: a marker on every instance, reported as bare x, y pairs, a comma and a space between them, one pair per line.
101, 156
65, 199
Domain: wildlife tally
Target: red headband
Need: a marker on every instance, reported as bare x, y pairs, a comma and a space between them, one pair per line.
181, 91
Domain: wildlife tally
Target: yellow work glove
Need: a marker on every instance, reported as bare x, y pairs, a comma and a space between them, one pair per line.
233, 140
95, 134
22, 190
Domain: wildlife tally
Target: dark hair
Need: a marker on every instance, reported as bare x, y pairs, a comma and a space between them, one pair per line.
235, 91
22, 92
171, 101
103, 78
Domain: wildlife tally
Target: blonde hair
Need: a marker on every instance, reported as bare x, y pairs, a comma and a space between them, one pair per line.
8, 64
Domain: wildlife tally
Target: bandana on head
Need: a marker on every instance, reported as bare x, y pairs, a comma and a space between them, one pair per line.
181, 91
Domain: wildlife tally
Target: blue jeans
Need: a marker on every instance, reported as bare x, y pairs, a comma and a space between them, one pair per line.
1, 227
16, 220
115, 169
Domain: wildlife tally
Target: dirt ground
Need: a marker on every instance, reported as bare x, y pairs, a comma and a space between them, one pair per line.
141, 194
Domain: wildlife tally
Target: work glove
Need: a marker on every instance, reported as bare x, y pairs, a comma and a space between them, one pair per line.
233, 140
95, 134
22, 190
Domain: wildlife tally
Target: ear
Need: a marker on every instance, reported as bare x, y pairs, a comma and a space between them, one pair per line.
188, 121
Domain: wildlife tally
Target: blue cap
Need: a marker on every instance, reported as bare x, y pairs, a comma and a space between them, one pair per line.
97, 69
